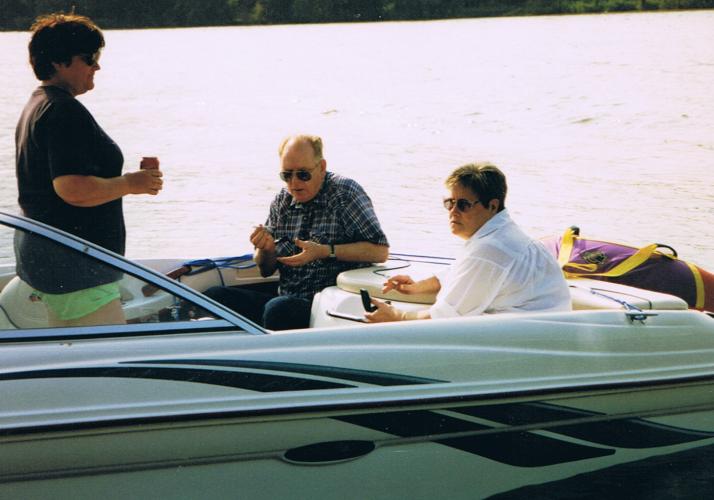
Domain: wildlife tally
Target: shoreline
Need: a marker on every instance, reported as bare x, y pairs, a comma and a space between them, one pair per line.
385, 12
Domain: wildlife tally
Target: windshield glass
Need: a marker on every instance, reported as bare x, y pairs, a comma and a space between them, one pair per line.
45, 284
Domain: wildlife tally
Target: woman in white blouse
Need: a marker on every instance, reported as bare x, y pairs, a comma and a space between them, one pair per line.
499, 268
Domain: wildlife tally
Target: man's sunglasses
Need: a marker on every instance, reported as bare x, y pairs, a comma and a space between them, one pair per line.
301, 175
461, 204
89, 59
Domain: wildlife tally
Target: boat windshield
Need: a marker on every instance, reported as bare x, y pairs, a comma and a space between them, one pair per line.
49, 284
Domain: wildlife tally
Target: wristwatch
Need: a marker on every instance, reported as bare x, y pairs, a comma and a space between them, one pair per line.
332, 255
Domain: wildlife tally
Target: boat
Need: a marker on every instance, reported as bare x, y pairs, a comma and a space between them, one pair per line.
189, 400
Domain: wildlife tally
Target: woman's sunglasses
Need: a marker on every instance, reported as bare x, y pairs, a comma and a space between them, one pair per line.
89, 59
461, 204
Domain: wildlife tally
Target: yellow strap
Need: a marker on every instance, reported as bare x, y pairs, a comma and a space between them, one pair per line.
588, 268
630, 263
624, 267
566, 247
699, 285
577, 269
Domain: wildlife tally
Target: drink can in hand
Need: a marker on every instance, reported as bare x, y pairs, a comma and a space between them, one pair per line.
149, 163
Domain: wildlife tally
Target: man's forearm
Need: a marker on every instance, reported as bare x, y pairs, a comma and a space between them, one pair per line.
361, 251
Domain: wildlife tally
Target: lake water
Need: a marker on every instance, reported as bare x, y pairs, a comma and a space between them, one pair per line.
602, 121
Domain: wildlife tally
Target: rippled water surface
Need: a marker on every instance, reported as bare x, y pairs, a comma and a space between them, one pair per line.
605, 121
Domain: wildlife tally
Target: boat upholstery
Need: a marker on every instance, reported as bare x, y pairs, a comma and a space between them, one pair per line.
370, 279
21, 310
5, 323
585, 293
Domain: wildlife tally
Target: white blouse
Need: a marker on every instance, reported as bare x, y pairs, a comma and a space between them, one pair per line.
501, 269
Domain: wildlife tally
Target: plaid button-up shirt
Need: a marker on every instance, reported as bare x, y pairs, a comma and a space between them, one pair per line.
340, 213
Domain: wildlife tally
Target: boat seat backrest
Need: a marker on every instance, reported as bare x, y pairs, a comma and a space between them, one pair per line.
20, 309
5, 323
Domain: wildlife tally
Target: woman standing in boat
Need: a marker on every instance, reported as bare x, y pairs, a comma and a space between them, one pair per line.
69, 174
499, 269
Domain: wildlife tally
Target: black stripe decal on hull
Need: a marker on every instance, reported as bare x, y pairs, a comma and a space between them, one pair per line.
631, 433
683, 475
241, 380
522, 449
517, 448
354, 375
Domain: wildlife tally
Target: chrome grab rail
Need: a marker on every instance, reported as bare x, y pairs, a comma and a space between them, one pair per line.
632, 312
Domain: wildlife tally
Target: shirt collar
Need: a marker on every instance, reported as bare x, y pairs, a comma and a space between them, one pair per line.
54, 88
493, 224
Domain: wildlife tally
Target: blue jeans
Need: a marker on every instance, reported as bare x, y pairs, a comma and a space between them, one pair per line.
282, 312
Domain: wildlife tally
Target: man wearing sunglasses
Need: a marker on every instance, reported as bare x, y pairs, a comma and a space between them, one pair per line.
319, 225
499, 269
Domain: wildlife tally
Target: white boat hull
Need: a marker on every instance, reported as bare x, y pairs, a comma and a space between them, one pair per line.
211, 406
225, 413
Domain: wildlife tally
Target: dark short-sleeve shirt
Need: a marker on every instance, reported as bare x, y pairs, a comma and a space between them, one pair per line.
342, 212
55, 136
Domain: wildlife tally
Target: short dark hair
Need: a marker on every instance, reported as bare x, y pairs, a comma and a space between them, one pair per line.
485, 180
56, 38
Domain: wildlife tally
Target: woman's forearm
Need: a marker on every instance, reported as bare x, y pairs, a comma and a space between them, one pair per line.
92, 191
88, 190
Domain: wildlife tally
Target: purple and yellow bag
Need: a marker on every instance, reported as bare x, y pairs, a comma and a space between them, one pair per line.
646, 267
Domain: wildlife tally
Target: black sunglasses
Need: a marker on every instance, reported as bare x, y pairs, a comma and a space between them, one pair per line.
89, 59
301, 175
461, 204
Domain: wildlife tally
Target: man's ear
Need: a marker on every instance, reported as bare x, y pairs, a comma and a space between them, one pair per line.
57, 66
323, 165
493, 205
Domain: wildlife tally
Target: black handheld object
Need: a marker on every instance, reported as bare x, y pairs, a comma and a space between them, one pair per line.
350, 317
367, 301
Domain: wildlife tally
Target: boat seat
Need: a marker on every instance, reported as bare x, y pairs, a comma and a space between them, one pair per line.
355, 279
585, 293
5, 323
21, 310
24, 312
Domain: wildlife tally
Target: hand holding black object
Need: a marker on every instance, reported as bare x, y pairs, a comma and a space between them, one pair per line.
367, 301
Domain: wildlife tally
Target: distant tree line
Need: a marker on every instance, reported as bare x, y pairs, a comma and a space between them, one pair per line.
19, 14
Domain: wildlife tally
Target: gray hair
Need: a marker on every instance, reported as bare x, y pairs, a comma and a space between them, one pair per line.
314, 141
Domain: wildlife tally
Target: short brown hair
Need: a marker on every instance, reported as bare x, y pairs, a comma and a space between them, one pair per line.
485, 180
314, 141
56, 38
